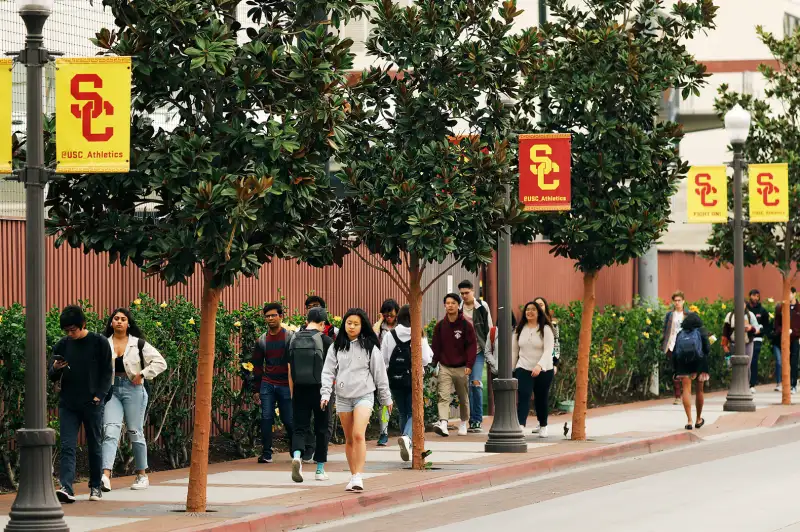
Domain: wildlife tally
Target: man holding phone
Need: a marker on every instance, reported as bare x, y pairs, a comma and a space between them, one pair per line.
82, 365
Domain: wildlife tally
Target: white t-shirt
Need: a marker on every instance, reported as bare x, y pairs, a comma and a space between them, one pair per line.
677, 321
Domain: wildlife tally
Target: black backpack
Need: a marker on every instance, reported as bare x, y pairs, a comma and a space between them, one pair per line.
689, 346
307, 355
399, 370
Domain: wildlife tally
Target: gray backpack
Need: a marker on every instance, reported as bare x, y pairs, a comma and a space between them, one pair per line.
307, 355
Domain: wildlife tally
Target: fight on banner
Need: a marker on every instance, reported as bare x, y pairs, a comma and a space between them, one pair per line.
545, 163
93, 108
5, 116
707, 195
769, 192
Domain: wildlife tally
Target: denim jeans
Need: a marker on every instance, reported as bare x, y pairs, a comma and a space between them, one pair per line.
402, 401
272, 395
776, 351
754, 363
128, 403
70, 421
476, 392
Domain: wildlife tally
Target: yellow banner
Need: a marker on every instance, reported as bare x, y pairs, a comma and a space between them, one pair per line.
769, 192
5, 116
707, 195
93, 115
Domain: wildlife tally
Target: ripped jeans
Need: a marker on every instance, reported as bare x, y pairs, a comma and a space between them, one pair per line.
128, 403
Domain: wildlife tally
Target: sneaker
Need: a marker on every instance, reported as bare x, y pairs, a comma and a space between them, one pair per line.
536, 429
474, 427
141, 483
264, 459
405, 447
441, 428
778, 388
462, 428
95, 494
321, 476
753, 390
350, 484
543, 432
794, 390
105, 483
383, 439
297, 470
358, 483
65, 495
676, 401
522, 428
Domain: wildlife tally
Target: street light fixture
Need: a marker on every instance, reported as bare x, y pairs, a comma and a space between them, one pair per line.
36, 507
737, 125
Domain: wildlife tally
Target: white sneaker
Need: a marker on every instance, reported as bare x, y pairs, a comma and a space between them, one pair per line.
350, 484
405, 448
441, 428
543, 432
358, 483
105, 483
462, 428
321, 476
537, 428
297, 469
778, 388
794, 390
522, 428
753, 390
141, 483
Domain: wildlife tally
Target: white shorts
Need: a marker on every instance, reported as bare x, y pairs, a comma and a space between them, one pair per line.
345, 404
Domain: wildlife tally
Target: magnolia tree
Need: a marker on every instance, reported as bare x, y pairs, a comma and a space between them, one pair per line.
240, 179
774, 137
429, 157
607, 65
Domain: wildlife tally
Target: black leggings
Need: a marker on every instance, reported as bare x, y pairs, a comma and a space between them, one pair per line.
539, 388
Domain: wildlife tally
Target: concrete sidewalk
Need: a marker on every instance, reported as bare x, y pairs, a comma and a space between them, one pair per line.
246, 496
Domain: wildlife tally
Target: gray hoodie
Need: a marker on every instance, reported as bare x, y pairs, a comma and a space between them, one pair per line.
356, 374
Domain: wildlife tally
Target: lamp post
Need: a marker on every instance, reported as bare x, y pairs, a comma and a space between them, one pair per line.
36, 507
505, 436
737, 125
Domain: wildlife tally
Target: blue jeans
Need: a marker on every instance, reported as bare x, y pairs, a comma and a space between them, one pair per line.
70, 420
272, 395
778, 364
128, 403
476, 392
754, 363
402, 401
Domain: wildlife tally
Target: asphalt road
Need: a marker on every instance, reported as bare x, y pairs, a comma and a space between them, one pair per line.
744, 482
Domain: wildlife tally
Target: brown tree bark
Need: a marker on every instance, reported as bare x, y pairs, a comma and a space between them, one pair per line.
584, 346
198, 473
786, 324
417, 384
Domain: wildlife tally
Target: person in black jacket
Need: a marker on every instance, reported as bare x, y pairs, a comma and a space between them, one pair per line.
82, 364
762, 316
689, 370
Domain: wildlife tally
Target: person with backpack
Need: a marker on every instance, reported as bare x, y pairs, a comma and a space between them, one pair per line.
751, 327
385, 324
690, 362
762, 317
532, 359
396, 350
476, 310
355, 364
306, 358
135, 363
454, 350
271, 378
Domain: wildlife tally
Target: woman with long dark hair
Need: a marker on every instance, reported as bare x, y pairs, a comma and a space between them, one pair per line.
355, 364
134, 361
532, 357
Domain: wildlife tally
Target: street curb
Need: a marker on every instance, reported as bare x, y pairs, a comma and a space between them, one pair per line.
340, 508
786, 419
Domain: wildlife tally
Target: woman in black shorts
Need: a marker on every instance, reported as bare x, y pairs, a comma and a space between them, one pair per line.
692, 367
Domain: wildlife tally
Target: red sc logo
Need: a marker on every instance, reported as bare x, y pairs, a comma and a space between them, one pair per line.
704, 189
766, 188
92, 109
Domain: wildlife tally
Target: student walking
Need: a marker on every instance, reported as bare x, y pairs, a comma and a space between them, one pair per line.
271, 382
454, 350
690, 362
356, 365
477, 312
762, 317
672, 326
751, 328
794, 335
532, 360
135, 362
306, 358
83, 367
396, 350
385, 324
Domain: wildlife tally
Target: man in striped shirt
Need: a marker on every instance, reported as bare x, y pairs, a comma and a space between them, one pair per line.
271, 382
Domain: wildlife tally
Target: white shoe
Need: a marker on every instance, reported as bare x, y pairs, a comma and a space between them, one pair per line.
350, 484
441, 428
794, 390
105, 484
778, 388
405, 448
141, 483
321, 476
297, 469
358, 483
753, 390
522, 428
543, 432
462, 428
537, 428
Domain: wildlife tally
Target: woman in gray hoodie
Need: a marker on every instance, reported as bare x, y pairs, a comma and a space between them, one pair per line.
355, 364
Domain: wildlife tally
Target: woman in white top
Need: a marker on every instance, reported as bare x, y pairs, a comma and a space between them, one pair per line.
134, 361
532, 357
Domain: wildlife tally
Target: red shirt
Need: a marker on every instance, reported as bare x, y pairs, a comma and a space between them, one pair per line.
454, 343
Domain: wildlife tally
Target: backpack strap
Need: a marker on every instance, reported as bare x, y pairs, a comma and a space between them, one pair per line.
318, 343
397, 339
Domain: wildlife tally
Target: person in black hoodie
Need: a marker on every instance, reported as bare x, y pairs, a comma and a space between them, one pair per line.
82, 364
690, 362
762, 316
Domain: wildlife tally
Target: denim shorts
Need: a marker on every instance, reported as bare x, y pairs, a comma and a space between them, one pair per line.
345, 404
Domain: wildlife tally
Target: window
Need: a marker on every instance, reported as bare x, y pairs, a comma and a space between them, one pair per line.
790, 24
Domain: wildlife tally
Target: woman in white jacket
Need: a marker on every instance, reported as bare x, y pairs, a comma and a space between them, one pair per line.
355, 364
532, 357
134, 361
400, 373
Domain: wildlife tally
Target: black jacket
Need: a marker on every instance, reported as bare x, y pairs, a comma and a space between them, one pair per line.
89, 373
763, 319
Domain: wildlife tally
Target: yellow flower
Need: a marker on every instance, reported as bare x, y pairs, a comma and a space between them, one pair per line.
237, 324
772, 315
1, 319
614, 315
622, 319
770, 300
649, 311
158, 324
724, 306
191, 321
137, 302
648, 321
646, 334
164, 304
248, 366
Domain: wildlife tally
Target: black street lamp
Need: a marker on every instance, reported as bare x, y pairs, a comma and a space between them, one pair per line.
36, 507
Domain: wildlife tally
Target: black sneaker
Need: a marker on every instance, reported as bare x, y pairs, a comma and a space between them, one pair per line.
65, 495
95, 494
264, 459
475, 427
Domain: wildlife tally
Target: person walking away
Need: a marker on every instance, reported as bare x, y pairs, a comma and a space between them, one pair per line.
690, 362
330, 331
396, 351
532, 360
672, 325
306, 358
356, 365
386, 323
477, 312
794, 334
762, 317
83, 367
455, 348
271, 382
751, 327
135, 363
544, 306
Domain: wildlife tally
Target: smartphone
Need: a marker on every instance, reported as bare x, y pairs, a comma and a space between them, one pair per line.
59, 358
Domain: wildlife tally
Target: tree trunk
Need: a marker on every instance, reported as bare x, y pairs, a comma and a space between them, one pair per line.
584, 346
786, 396
417, 382
198, 473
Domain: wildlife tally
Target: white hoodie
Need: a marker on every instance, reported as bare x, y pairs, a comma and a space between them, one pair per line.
404, 334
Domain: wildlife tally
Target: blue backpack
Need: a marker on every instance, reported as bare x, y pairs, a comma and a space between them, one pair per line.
689, 346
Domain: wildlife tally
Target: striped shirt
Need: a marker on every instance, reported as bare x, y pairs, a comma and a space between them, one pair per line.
269, 360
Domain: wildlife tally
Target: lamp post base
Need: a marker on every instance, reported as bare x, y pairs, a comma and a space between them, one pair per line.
505, 436
739, 398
